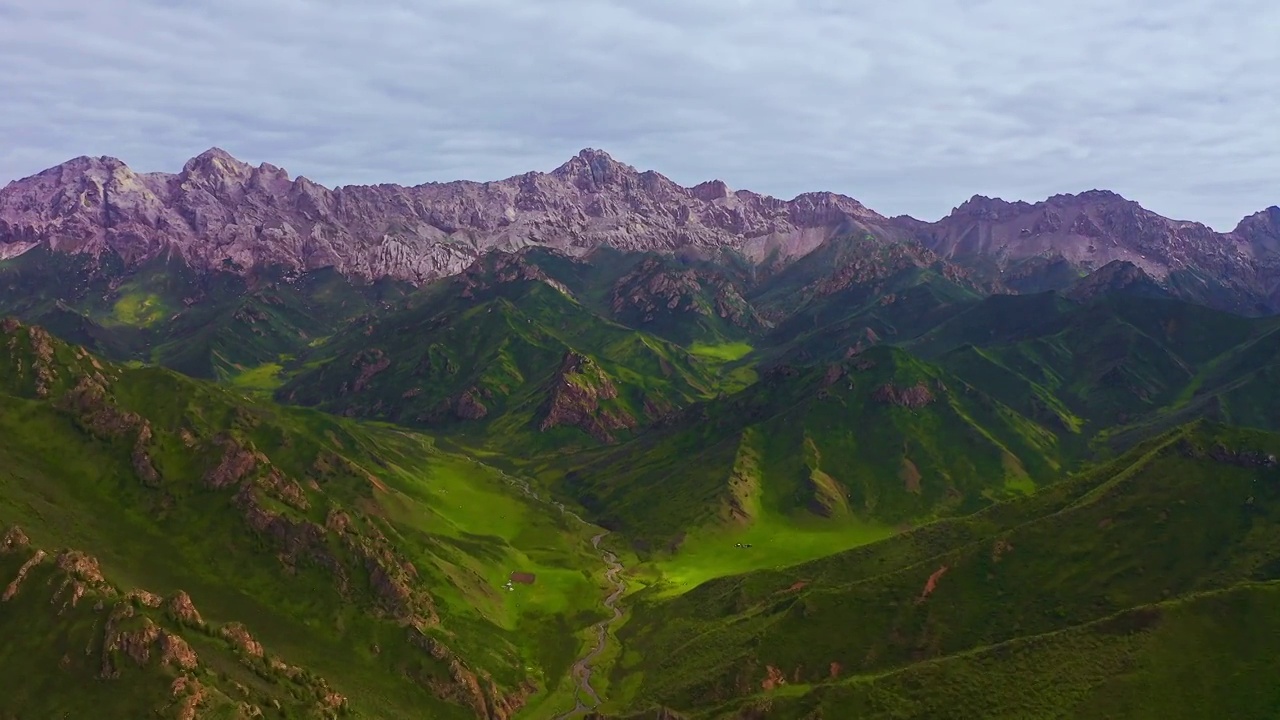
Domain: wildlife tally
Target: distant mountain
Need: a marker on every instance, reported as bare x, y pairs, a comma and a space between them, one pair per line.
1036, 246
219, 213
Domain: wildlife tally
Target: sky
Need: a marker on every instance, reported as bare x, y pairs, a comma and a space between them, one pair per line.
911, 106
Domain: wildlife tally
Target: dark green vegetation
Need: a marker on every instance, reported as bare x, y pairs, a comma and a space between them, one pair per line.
517, 357
860, 485
1095, 594
209, 326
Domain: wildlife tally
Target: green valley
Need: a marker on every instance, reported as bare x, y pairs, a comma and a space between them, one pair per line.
674, 487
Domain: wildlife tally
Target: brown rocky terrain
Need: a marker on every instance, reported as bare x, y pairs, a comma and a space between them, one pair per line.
1117, 276
218, 211
913, 397
222, 213
575, 398
1092, 229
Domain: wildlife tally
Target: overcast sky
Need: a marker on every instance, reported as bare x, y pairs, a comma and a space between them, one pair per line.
911, 106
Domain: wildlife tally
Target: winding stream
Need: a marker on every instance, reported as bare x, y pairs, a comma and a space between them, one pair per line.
582, 668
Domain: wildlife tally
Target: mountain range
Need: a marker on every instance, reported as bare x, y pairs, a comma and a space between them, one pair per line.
590, 444
219, 212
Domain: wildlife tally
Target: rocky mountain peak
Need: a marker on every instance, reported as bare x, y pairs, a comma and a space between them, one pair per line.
216, 163
1090, 197
1261, 231
989, 208
595, 170
219, 209
710, 191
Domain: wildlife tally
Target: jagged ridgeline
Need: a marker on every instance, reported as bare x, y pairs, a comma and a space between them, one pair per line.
206, 555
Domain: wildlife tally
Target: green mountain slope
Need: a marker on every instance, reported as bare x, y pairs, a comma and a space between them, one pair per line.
216, 325
859, 485
515, 356
131, 654
363, 555
806, 462
1083, 369
1190, 513
890, 310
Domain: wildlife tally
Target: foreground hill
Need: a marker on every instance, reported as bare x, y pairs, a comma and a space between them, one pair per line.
1144, 588
333, 565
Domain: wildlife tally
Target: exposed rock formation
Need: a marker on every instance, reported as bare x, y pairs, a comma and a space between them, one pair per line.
575, 401
913, 397
653, 288
468, 407
1092, 229
220, 212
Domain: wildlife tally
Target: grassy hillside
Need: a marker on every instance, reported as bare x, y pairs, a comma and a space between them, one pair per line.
891, 310
361, 554
514, 357
1119, 566
132, 654
1112, 362
218, 326
855, 486
806, 462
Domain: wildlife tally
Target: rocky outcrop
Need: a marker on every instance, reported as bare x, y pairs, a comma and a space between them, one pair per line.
1254, 459
236, 464
95, 411
240, 638
393, 579
499, 268
576, 393
16, 583
654, 288
80, 576
182, 609
140, 458
913, 397
141, 642
370, 362
14, 539
467, 406
467, 687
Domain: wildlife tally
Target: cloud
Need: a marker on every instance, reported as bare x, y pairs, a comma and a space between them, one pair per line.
910, 106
